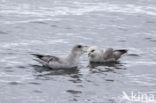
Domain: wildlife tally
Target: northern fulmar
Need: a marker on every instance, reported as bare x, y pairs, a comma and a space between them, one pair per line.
105, 55
69, 61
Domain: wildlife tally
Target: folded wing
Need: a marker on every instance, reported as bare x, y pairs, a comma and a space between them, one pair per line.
46, 59
108, 53
118, 53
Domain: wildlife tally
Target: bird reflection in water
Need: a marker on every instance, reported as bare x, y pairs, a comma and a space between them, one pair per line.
48, 71
105, 67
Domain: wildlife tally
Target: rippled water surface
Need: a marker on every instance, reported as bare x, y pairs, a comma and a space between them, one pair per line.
53, 27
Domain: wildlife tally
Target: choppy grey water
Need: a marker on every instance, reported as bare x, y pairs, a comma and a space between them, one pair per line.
53, 27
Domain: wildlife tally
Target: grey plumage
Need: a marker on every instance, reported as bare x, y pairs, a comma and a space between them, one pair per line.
105, 55
54, 62
118, 53
46, 58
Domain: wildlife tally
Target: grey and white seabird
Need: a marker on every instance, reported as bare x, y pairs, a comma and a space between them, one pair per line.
105, 55
69, 61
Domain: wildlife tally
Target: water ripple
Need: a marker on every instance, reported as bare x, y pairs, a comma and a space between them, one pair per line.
79, 9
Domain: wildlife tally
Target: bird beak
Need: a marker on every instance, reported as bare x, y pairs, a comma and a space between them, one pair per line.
85, 46
88, 54
84, 49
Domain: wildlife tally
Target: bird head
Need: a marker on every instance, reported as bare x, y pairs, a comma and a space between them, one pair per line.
79, 49
92, 52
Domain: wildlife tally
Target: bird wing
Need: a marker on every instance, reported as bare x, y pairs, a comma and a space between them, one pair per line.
45, 59
117, 53
108, 53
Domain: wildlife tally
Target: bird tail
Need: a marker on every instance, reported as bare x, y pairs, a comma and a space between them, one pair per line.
119, 53
39, 59
37, 55
122, 51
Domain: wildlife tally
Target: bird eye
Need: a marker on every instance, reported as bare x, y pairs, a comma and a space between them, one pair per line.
92, 50
79, 46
